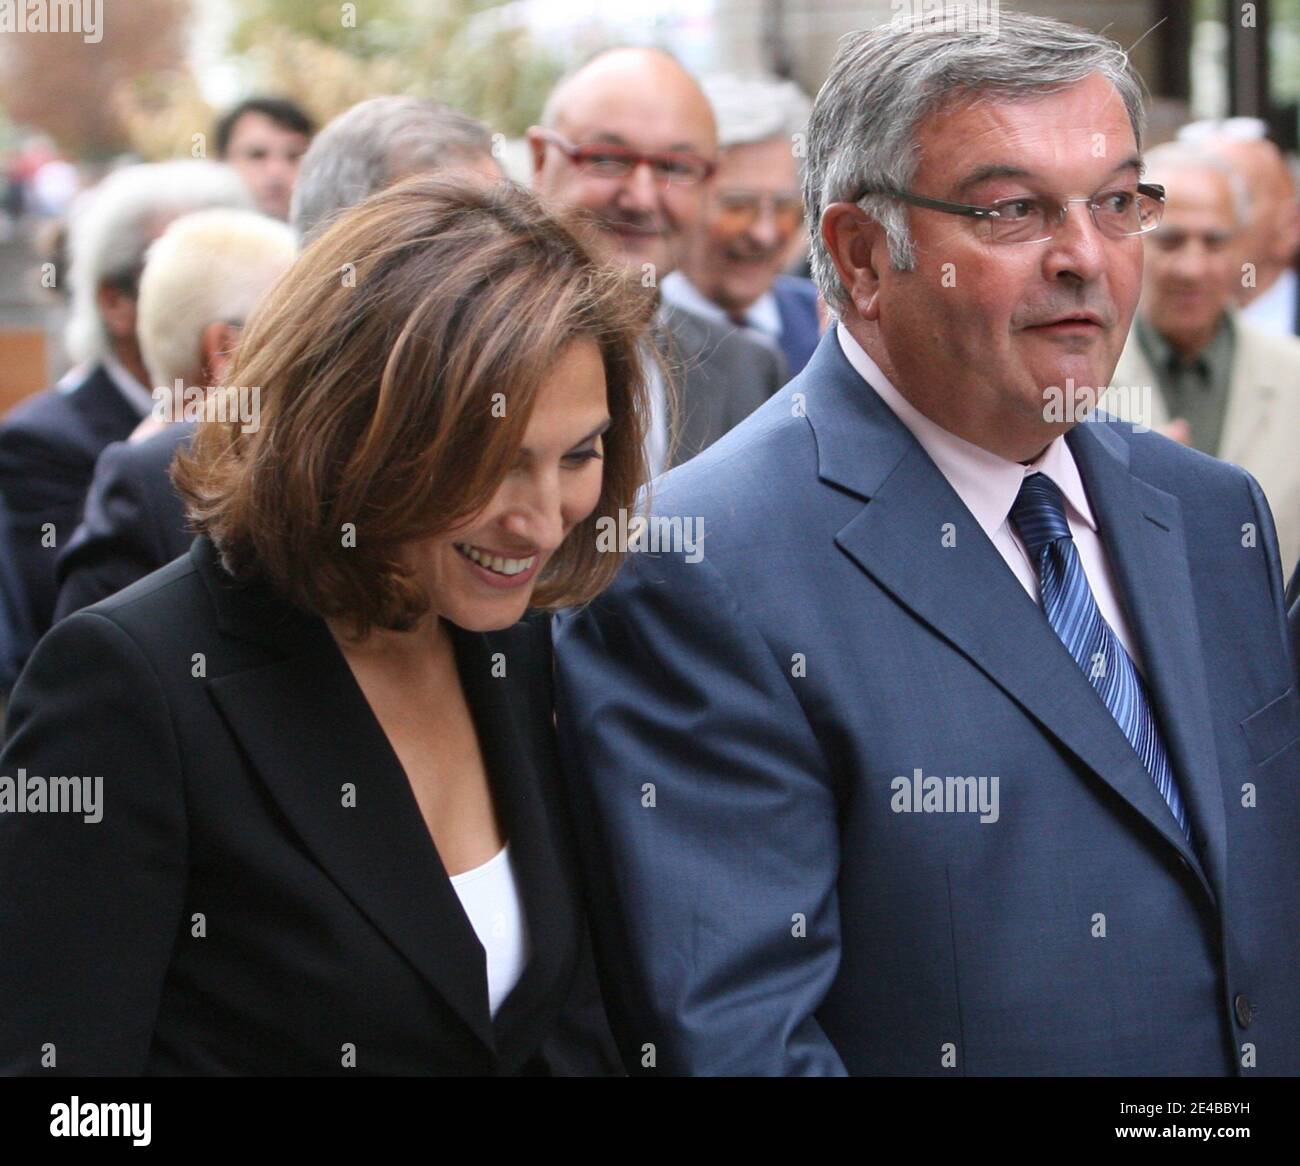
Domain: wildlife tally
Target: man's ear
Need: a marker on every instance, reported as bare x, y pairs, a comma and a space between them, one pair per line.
217, 349
117, 310
852, 238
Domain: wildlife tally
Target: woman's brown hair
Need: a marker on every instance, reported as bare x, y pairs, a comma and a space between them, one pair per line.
397, 363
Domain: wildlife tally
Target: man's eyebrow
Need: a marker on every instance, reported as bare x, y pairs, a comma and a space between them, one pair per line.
1003, 170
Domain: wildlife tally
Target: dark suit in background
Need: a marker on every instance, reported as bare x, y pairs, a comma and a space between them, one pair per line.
133, 523
224, 782
721, 377
776, 912
48, 447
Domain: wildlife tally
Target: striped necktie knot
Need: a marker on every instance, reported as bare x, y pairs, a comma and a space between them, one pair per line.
1039, 513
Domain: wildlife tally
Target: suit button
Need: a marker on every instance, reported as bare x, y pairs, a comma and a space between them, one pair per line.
1245, 1014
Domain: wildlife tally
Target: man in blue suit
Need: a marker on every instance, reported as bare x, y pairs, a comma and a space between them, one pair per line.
732, 272
966, 739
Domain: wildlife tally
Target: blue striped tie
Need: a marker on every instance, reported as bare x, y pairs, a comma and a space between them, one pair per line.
1039, 516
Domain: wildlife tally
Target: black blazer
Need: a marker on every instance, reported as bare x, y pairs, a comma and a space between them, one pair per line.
230, 913
133, 522
48, 447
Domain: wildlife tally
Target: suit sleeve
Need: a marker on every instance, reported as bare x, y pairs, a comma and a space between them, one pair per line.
41, 482
90, 909
708, 821
116, 543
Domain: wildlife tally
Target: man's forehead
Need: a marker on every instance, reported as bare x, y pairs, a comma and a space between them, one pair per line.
1083, 127
672, 119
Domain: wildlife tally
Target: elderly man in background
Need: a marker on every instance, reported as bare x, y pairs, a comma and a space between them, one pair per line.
201, 279
263, 139
1195, 367
134, 519
1265, 283
630, 138
753, 227
49, 442
967, 741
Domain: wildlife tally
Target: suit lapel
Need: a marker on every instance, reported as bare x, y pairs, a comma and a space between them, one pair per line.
1142, 530
308, 731
964, 590
502, 674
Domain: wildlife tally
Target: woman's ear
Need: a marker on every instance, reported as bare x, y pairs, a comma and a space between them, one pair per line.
852, 238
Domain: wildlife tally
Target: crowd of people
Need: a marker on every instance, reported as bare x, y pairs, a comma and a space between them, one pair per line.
939, 717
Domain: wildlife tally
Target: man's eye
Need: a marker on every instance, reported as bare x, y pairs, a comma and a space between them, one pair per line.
1017, 208
1116, 202
607, 161
672, 166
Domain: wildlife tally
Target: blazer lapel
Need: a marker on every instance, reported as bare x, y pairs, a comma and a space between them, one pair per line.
1142, 530
503, 675
964, 590
308, 731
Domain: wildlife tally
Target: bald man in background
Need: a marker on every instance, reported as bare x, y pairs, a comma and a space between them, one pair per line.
630, 138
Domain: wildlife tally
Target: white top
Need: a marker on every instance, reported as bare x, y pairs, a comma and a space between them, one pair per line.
988, 484
490, 896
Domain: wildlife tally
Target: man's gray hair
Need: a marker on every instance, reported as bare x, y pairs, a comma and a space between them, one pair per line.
886, 81
1181, 155
756, 109
372, 145
113, 224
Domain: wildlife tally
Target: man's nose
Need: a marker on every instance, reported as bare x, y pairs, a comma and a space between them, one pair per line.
641, 188
764, 230
1078, 247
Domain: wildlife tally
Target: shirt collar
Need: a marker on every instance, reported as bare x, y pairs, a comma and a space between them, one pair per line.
763, 315
137, 396
1163, 356
987, 483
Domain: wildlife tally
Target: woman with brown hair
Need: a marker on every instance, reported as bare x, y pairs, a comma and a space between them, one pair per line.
321, 829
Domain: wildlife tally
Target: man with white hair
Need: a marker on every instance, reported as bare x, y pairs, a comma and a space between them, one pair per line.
733, 271
49, 442
1194, 366
202, 278
1266, 284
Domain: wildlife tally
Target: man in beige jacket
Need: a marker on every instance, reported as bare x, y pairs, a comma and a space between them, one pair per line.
1192, 367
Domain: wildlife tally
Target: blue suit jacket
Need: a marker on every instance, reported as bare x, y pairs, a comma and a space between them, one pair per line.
733, 729
796, 300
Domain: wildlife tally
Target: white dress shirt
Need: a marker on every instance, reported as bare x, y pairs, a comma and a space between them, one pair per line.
762, 317
1274, 310
137, 396
989, 484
